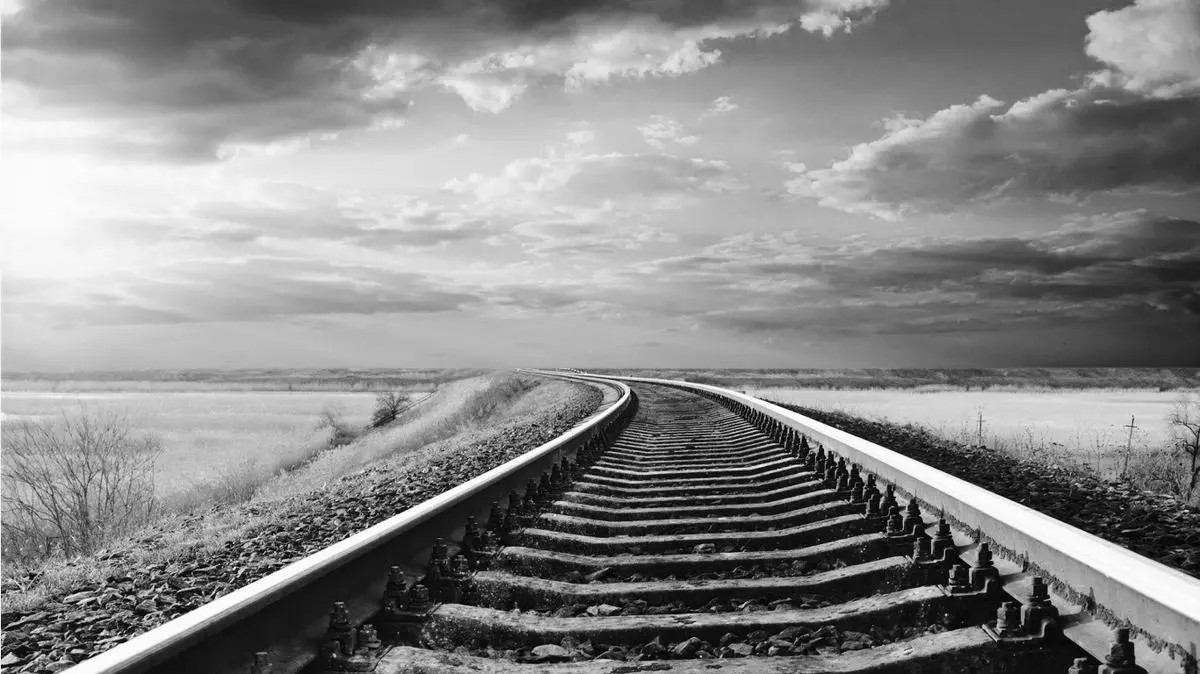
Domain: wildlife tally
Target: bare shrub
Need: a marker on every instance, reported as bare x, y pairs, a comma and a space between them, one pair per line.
388, 406
333, 419
71, 485
1184, 421
1158, 470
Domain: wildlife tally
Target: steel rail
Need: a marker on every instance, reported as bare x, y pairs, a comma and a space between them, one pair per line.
286, 614
1104, 581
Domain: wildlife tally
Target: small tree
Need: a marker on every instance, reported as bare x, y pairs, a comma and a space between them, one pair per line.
73, 484
333, 419
387, 407
1185, 441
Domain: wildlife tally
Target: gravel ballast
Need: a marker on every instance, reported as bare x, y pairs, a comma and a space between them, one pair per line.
1157, 526
75, 625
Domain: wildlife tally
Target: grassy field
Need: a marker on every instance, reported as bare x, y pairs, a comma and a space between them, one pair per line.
1085, 427
936, 379
458, 411
209, 436
299, 379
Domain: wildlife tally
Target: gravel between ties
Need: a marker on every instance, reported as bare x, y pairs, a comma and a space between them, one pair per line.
1157, 526
89, 620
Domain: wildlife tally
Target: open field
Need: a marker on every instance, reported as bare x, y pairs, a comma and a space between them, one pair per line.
382, 379
938, 379
205, 434
1087, 427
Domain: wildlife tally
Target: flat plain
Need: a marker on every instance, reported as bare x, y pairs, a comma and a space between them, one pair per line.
205, 434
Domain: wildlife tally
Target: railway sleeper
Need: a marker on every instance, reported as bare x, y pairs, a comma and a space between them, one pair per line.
714, 487
500, 589
962, 650
600, 512
806, 534
682, 470
740, 450
689, 525
545, 563
507, 629
715, 481
808, 485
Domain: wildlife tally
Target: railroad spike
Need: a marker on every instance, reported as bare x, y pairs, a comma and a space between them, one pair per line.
1083, 666
1121, 658
913, 526
495, 522
368, 638
262, 663
1037, 607
920, 552
894, 527
873, 505
943, 539
983, 569
857, 495
889, 499
1008, 620
960, 579
341, 631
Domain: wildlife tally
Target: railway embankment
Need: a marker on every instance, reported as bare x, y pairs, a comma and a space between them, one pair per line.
1157, 526
263, 537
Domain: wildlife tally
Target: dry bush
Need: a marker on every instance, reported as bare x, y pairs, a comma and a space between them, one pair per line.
72, 485
1185, 443
388, 406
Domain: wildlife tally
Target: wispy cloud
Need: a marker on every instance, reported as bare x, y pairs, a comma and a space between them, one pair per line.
661, 131
720, 106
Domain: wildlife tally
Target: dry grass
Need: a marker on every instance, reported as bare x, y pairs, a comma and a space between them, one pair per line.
445, 422
945, 378
1084, 429
455, 408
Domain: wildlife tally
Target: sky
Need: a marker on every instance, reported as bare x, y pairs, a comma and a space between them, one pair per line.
604, 183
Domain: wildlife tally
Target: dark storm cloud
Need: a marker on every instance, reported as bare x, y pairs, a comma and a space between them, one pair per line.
1069, 144
191, 79
1094, 270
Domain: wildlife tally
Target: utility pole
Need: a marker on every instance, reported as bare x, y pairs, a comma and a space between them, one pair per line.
980, 443
1128, 444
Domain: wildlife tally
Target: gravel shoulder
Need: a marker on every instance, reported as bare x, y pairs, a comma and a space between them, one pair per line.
267, 536
1157, 526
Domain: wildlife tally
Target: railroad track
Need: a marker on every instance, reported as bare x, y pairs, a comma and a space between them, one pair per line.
687, 528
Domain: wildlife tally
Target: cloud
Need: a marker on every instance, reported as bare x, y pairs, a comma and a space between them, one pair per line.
719, 106
661, 130
252, 289
194, 80
572, 177
267, 213
1151, 46
1133, 126
590, 232
1104, 268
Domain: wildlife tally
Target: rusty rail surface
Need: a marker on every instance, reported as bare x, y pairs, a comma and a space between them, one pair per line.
279, 622
1095, 585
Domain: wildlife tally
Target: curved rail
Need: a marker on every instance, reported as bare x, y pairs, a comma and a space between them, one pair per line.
286, 613
1096, 581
